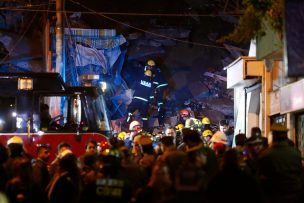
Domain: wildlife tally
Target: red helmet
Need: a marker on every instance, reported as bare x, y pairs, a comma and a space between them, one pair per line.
184, 113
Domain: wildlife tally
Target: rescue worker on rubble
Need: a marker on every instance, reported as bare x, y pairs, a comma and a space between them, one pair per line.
148, 96
193, 123
139, 106
159, 86
207, 135
184, 114
205, 124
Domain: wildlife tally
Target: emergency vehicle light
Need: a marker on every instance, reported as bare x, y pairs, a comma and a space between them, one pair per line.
25, 84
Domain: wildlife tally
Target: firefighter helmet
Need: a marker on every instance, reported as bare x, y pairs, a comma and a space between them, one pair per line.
148, 73
122, 135
205, 120
15, 140
133, 124
179, 127
207, 133
151, 62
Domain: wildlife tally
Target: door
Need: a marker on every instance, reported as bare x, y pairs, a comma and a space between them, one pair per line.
300, 133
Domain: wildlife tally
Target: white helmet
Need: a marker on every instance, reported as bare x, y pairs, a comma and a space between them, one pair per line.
133, 124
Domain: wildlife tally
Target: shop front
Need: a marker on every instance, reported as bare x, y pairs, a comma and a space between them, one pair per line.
292, 102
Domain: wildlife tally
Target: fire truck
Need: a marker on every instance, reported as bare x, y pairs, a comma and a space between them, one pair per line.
75, 114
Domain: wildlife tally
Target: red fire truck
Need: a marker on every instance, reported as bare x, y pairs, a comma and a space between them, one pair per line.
76, 114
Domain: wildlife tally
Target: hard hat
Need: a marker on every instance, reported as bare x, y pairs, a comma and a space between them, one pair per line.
122, 135
133, 124
148, 73
151, 62
205, 120
219, 137
15, 140
179, 127
184, 112
207, 133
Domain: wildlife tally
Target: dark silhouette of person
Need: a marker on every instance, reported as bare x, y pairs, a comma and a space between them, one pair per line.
45, 117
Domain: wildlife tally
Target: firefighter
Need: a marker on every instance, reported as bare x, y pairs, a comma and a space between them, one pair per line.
110, 182
139, 106
179, 136
134, 128
159, 87
193, 123
205, 124
184, 114
207, 135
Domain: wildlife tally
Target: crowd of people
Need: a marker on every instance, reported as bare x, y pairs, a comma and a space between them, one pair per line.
186, 163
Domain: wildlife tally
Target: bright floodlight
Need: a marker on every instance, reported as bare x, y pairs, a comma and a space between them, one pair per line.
103, 86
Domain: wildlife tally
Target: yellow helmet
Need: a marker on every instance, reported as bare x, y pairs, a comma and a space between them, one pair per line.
207, 133
179, 127
148, 73
122, 135
15, 140
205, 120
151, 62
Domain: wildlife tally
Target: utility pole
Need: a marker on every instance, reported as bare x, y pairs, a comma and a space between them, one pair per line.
60, 68
57, 102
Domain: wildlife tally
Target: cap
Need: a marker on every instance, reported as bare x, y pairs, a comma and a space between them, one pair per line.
15, 140
219, 137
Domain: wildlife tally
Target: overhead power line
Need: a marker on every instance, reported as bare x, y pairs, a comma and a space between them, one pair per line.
146, 31
29, 8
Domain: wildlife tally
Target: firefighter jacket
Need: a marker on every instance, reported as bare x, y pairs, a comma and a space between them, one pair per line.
143, 88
